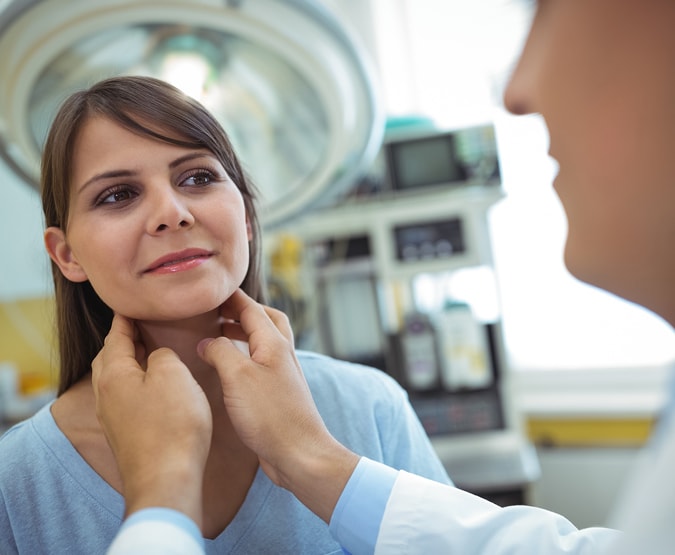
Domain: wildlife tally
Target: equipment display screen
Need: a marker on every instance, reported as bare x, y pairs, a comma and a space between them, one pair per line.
422, 162
428, 240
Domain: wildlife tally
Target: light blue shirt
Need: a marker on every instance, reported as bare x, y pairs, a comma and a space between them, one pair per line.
355, 524
44, 479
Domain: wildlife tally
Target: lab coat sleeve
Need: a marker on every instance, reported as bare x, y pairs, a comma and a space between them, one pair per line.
158, 531
423, 517
356, 519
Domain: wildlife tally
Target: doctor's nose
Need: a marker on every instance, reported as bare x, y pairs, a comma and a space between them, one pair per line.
518, 90
521, 95
169, 212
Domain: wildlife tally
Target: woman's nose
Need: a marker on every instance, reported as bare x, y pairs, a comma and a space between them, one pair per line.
168, 211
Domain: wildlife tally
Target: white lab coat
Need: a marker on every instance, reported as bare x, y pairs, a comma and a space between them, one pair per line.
647, 507
423, 517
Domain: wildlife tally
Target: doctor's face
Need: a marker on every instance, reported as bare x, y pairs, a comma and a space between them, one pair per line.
601, 74
159, 230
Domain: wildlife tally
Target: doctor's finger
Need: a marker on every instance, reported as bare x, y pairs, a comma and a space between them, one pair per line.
96, 369
165, 360
233, 330
120, 338
251, 315
222, 354
118, 356
281, 321
234, 304
263, 327
111, 376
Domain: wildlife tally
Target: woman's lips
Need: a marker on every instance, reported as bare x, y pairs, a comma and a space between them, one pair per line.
179, 261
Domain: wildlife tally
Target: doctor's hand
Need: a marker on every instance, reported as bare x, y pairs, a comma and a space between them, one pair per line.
157, 422
271, 407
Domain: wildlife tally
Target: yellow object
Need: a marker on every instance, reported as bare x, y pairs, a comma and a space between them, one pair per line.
602, 432
27, 342
286, 263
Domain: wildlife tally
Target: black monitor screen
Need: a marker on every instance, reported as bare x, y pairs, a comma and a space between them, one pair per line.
421, 162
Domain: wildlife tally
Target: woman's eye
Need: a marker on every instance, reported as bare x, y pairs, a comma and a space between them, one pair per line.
198, 179
115, 195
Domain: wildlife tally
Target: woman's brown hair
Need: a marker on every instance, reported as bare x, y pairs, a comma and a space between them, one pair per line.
82, 319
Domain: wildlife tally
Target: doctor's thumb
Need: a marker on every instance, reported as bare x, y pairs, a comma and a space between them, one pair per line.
215, 351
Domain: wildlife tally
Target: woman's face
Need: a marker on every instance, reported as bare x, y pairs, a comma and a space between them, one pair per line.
601, 73
159, 230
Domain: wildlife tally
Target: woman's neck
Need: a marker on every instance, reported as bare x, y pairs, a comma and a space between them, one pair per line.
182, 337
231, 467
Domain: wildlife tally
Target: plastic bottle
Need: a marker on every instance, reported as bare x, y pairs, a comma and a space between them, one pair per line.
419, 353
464, 351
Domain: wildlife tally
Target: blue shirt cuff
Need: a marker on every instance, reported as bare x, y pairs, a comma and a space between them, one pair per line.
168, 516
356, 520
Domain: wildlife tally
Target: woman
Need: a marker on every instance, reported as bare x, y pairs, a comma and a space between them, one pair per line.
149, 215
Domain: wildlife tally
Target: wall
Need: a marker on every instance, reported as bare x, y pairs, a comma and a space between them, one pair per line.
24, 272
582, 483
26, 339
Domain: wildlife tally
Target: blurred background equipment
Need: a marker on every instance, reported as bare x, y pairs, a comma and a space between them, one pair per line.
399, 275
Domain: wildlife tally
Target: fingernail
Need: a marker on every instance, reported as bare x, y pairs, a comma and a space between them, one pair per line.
201, 346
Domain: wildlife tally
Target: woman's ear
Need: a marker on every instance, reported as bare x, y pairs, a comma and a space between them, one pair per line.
62, 255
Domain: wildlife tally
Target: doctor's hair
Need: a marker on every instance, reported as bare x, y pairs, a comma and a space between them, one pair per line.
148, 107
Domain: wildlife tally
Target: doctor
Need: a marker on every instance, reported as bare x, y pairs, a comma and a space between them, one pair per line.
601, 74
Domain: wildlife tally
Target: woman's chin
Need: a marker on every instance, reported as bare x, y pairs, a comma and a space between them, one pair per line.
179, 307
176, 313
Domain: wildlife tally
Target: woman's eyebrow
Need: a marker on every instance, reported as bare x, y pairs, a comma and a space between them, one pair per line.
191, 156
106, 175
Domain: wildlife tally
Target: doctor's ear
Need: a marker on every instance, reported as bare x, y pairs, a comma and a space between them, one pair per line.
62, 255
